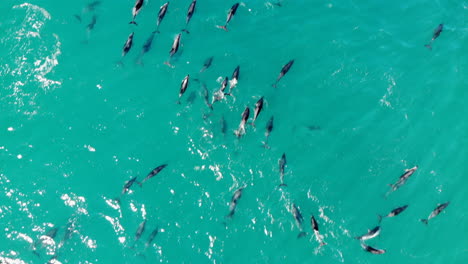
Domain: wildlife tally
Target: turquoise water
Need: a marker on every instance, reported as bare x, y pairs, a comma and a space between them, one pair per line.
75, 126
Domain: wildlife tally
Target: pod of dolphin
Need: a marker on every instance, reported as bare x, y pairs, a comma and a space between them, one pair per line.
239, 132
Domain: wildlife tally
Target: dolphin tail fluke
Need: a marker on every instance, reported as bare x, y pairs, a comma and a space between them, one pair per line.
322, 244
274, 85
186, 31
133, 22
117, 199
120, 63
283, 185
178, 101
380, 218
168, 64
230, 215
425, 221
301, 234
139, 61
223, 27
428, 46
156, 31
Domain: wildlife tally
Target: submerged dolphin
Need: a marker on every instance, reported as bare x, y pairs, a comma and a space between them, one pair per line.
146, 47
233, 204
269, 128
207, 64
282, 164
299, 219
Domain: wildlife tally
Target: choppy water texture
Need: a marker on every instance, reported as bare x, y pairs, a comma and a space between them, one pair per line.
364, 101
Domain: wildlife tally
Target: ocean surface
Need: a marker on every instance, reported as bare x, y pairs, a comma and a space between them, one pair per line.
363, 102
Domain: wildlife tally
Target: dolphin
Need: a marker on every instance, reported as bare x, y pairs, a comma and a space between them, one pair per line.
282, 163
207, 64
258, 108
146, 47
435, 35
234, 79
394, 212
223, 124
269, 128
161, 14
91, 6
154, 172
371, 249
128, 45
315, 228
136, 9
231, 14
129, 184
435, 212
92, 23
299, 219
175, 45
219, 95
233, 204
245, 116
371, 233
190, 12
402, 180
69, 230
174, 48
183, 86
49, 235
206, 96
139, 232
127, 187
151, 237
283, 72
